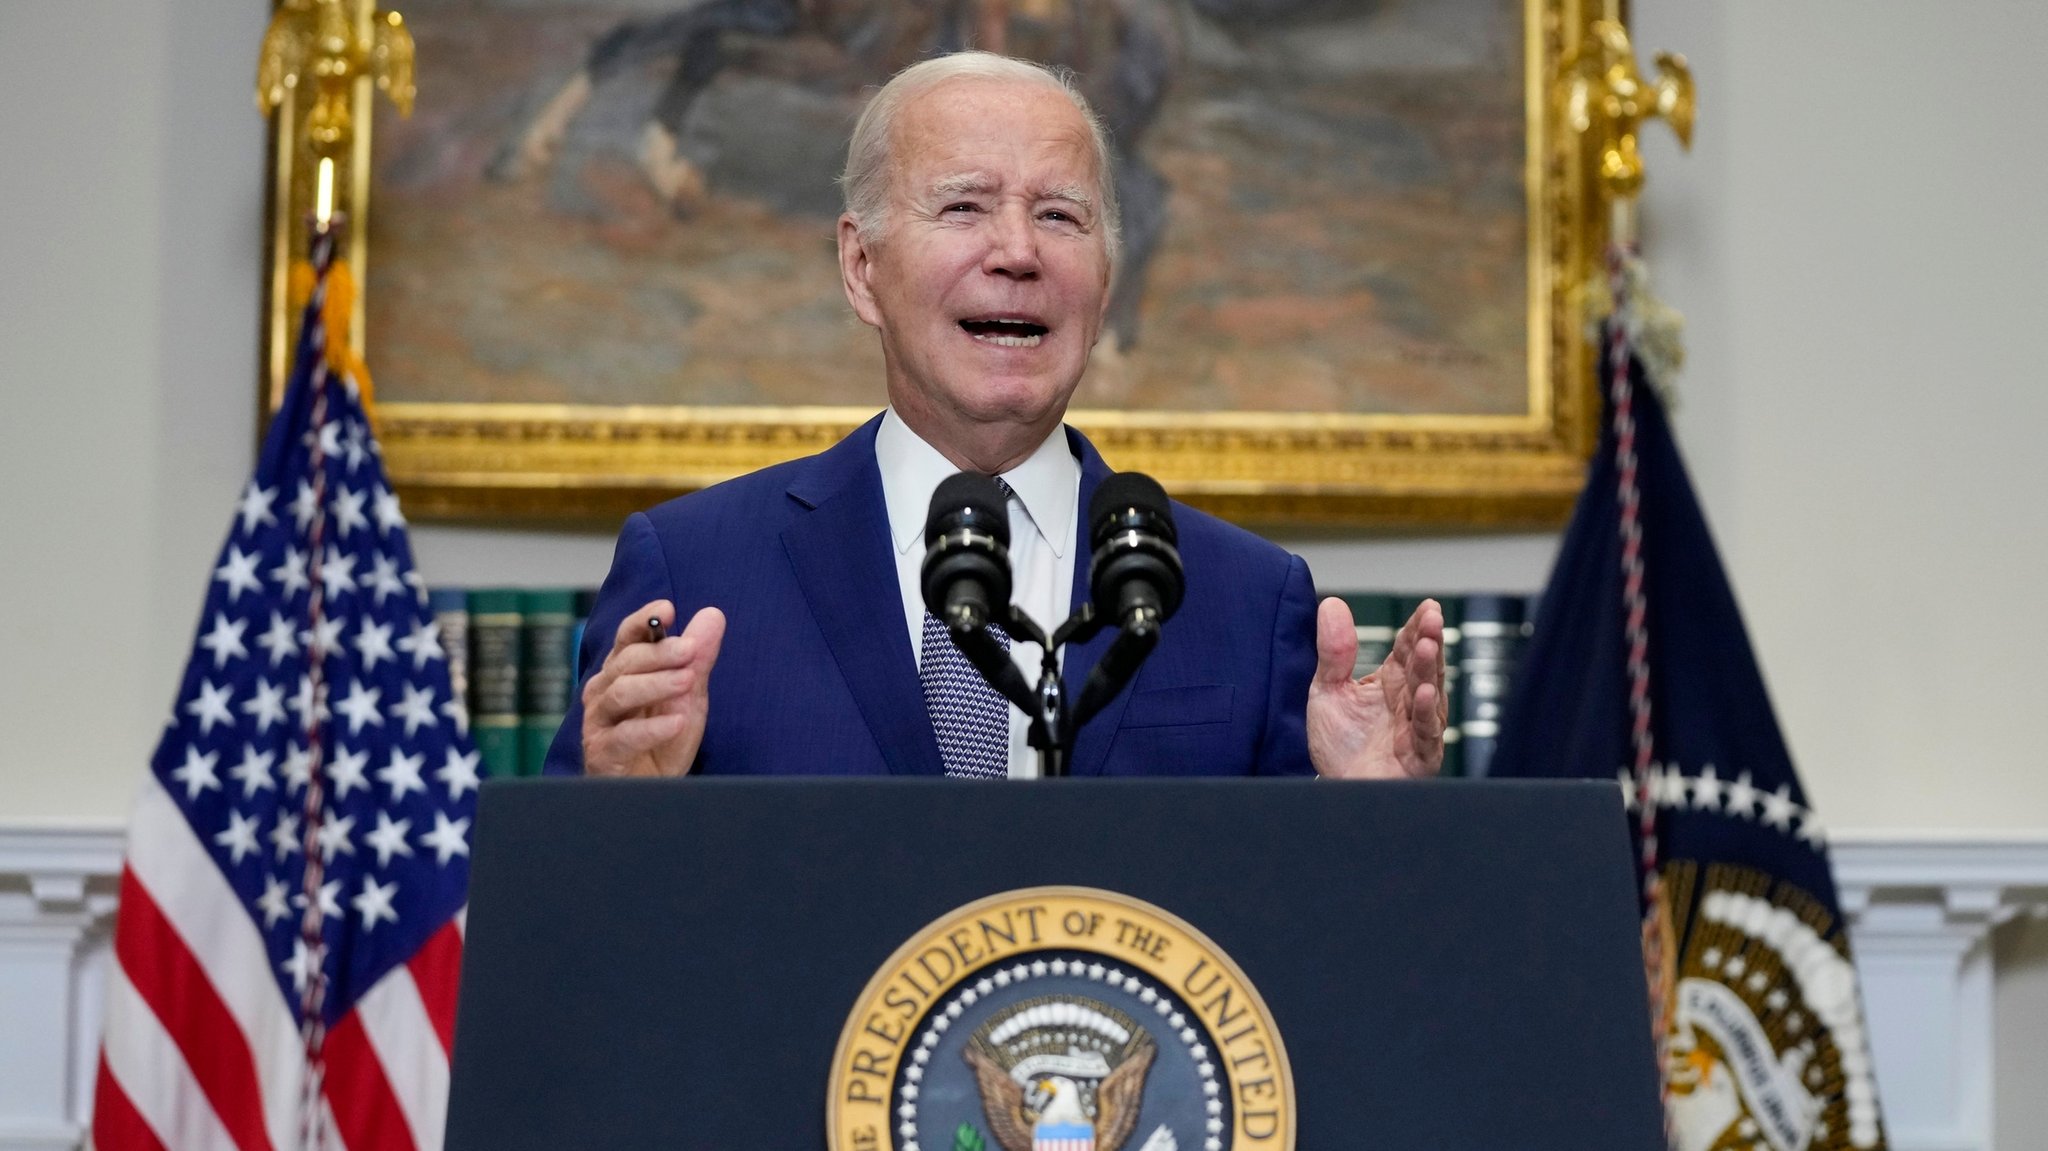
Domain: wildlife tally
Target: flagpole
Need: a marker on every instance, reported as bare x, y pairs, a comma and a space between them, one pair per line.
1605, 99
312, 924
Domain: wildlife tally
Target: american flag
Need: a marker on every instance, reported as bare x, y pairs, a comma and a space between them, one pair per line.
291, 911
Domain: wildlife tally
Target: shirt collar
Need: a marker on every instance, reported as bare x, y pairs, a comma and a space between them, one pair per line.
1047, 483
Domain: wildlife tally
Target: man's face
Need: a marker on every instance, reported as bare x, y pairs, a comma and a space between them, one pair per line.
990, 283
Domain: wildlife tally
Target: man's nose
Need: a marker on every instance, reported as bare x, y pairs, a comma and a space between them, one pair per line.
1013, 244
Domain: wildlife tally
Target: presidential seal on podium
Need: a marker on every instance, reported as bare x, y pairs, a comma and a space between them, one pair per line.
1060, 1019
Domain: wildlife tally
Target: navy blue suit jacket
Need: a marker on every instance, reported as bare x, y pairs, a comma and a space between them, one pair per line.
817, 676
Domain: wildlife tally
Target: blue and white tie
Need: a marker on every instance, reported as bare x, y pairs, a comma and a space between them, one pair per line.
971, 718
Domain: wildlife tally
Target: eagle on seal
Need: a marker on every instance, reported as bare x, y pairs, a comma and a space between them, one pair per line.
1053, 1113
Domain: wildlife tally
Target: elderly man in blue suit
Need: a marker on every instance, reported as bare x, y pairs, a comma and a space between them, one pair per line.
978, 239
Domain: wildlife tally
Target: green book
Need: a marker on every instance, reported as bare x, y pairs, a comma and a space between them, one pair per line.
547, 663
494, 677
1490, 645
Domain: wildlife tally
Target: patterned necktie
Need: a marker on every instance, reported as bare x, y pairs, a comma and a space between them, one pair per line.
970, 717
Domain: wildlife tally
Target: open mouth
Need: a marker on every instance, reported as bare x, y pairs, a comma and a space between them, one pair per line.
1005, 333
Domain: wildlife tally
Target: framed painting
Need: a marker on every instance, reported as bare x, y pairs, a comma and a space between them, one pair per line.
597, 263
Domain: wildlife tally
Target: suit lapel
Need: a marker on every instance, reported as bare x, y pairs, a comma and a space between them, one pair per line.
840, 552
1091, 745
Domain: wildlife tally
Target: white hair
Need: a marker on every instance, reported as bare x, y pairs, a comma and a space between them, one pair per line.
865, 183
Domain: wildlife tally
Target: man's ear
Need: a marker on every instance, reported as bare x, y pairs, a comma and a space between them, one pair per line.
856, 265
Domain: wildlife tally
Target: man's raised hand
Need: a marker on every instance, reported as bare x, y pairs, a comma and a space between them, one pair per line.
1389, 723
644, 711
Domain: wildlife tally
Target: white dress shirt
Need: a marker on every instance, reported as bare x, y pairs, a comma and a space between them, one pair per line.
1045, 497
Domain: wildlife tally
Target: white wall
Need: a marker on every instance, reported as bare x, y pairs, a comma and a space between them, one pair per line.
1855, 240
1852, 240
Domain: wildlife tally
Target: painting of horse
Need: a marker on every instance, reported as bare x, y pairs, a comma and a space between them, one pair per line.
628, 202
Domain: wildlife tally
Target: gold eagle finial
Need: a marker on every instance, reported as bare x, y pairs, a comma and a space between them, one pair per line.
316, 44
1605, 99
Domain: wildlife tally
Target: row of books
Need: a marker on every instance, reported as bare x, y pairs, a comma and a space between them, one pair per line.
513, 658
1483, 638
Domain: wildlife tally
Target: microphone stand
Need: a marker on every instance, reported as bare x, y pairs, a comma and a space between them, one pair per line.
1053, 721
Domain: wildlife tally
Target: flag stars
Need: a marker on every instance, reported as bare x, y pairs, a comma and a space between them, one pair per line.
284, 838
423, 644
1741, 797
402, 775
388, 515
449, 838
298, 767
347, 509
346, 772
267, 707
255, 507
388, 838
1778, 808
330, 898
291, 573
303, 965
337, 573
1706, 790
383, 578
334, 840
1668, 784
310, 701
330, 439
1812, 830
373, 643
238, 571
374, 904
353, 448
253, 773
280, 639
323, 638
360, 707
416, 709
304, 504
225, 640
457, 713
211, 706
197, 772
459, 774
239, 837
272, 902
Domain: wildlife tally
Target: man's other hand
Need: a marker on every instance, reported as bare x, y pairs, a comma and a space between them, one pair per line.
1388, 724
644, 711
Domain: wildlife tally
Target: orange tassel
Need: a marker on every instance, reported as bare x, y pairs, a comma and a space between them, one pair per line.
336, 312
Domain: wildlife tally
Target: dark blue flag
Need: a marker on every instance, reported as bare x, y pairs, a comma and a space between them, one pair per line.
1640, 670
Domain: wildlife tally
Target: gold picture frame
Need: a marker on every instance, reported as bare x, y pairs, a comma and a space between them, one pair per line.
551, 463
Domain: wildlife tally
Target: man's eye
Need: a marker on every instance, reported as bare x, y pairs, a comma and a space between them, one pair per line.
963, 206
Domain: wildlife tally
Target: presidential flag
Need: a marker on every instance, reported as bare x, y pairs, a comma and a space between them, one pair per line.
1640, 671
290, 924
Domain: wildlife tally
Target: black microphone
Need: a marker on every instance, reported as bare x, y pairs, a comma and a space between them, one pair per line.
966, 577
966, 572
1135, 578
